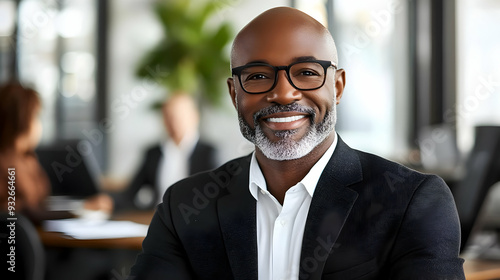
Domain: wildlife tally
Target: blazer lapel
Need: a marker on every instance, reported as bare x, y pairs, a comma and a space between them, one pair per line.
237, 215
330, 207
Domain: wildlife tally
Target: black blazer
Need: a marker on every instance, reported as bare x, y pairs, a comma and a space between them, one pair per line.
369, 219
202, 158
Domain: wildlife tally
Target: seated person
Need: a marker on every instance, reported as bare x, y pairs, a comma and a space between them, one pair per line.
181, 155
303, 205
20, 132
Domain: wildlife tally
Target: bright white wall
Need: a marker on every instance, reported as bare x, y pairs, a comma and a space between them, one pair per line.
133, 30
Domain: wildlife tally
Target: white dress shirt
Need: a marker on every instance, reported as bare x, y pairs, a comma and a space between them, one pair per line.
174, 164
280, 228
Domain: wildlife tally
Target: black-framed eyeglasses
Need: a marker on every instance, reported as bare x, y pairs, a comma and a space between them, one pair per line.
262, 77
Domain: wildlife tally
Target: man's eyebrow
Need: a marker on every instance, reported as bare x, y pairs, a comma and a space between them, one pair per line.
257, 61
304, 58
295, 59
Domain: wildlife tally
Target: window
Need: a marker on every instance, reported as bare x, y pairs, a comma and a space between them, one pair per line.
371, 38
56, 55
478, 70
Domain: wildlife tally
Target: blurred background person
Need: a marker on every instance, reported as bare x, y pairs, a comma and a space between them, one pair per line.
20, 133
180, 155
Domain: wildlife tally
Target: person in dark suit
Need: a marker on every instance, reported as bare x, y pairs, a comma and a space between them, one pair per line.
183, 154
304, 205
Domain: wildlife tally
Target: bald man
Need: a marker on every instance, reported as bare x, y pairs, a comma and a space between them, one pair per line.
303, 205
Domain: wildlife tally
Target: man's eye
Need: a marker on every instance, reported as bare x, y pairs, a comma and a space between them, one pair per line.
257, 76
308, 73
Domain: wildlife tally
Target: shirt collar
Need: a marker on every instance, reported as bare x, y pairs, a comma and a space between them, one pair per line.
187, 144
257, 180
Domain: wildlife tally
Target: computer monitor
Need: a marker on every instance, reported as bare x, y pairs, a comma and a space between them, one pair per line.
482, 171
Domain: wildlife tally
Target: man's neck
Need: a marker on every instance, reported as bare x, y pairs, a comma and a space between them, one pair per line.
282, 175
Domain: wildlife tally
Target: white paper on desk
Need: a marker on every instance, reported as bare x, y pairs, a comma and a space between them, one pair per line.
88, 229
63, 203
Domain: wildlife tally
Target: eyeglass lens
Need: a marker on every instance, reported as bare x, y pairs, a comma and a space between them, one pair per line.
304, 75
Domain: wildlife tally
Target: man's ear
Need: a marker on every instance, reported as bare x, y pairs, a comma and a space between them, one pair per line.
232, 91
339, 84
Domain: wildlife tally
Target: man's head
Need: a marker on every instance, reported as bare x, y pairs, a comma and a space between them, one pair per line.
285, 121
181, 117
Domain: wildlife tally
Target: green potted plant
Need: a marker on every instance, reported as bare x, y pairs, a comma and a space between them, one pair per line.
193, 51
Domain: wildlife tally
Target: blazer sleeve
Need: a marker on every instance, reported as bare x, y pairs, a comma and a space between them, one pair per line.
428, 241
162, 254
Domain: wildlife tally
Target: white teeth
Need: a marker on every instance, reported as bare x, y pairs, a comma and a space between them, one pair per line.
286, 119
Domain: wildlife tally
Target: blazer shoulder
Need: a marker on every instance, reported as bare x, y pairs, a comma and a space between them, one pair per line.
376, 165
394, 179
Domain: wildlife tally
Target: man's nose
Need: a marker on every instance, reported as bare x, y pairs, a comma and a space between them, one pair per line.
283, 93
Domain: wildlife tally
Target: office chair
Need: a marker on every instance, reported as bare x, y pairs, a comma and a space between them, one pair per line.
71, 173
482, 172
29, 251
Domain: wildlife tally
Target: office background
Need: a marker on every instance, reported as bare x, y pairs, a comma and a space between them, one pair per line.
420, 75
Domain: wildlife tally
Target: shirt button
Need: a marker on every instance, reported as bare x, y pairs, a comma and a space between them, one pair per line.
283, 222
263, 192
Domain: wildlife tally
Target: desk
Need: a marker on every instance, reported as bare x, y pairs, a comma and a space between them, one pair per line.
482, 270
56, 239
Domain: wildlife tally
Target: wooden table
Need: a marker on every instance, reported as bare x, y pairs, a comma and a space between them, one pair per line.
56, 239
482, 270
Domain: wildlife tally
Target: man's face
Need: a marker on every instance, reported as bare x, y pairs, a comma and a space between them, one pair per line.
284, 123
180, 117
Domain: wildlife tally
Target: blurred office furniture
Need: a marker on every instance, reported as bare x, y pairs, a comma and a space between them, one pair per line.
29, 252
84, 259
439, 151
474, 269
56, 239
72, 170
482, 170
481, 270
491, 211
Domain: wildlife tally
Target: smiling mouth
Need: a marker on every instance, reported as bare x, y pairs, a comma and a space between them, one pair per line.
285, 119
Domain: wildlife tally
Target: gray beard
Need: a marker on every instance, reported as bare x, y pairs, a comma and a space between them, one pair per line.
286, 148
